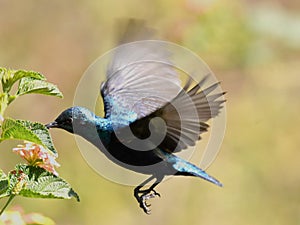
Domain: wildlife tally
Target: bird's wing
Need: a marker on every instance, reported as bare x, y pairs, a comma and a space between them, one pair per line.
184, 117
139, 72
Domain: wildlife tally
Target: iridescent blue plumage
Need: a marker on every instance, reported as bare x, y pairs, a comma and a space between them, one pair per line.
185, 168
138, 90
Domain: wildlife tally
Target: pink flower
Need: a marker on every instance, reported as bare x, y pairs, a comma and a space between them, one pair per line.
37, 155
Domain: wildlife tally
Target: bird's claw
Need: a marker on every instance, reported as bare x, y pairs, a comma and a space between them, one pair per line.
155, 193
143, 200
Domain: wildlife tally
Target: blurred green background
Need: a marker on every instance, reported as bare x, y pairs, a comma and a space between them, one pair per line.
252, 46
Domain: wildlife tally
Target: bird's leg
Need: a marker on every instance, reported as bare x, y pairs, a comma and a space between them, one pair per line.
143, 195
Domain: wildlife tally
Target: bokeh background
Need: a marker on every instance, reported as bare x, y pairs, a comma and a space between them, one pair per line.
252, 46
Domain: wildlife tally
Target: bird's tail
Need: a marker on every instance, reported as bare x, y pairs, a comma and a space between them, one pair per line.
187, 169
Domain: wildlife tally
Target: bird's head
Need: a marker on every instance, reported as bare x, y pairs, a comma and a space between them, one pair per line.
71, 118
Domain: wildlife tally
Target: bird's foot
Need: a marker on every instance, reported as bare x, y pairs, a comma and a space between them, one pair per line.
147, 194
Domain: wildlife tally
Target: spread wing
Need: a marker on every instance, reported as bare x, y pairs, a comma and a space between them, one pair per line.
140, 78
184, 117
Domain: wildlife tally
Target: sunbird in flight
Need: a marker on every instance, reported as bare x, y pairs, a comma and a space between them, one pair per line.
148, 115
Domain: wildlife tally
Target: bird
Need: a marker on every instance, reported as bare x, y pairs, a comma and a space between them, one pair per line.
150, 114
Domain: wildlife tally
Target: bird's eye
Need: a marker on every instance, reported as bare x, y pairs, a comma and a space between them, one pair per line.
69, 120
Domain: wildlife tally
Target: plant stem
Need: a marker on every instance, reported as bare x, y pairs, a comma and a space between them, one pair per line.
7, 203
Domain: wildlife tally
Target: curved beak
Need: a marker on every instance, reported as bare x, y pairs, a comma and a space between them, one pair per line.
52, 125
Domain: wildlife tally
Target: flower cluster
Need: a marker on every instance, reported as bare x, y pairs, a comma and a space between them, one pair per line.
16, 215
37, 155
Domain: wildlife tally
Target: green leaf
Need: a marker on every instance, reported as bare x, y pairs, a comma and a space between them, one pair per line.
39, 183
27, 130
2, 71
41, 132
30, 85
3, 184
9, 77
36, 182
3, 102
